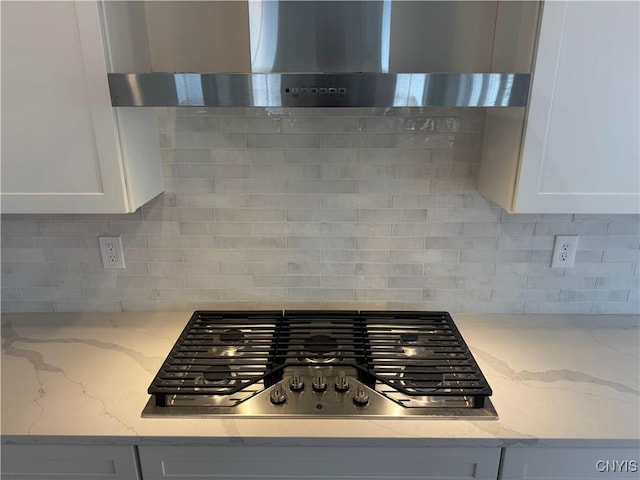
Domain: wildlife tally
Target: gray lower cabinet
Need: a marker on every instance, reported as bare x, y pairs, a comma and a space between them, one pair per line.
69, 462
318, 463
521, 463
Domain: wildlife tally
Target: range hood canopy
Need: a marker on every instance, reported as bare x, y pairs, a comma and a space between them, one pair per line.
270, 53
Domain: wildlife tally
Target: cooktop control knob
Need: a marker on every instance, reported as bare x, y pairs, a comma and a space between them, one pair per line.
319, 383
342, 383
361, 397
296, 384
278, 397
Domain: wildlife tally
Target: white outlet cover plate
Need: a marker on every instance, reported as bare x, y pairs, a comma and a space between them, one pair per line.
564, 251
117, 243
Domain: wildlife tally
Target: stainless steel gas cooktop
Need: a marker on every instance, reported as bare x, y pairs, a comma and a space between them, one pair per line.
320, 364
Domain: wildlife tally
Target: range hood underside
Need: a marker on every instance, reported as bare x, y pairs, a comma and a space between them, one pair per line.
319, 90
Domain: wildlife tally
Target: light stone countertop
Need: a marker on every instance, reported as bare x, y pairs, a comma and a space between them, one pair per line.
570, 380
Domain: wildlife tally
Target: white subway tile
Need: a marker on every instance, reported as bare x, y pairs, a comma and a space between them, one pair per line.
321, 294
619, 308
321, 157
393, 215
369, 281
435, 140
186, 294
494, 256
462, 243
26, 306
117, 294
286, 255
557, 307
425, 201
322, 268
535, 295
456, 295
321, 242
258, 140
423, 282
394, 156
357, 171
210, 255
425, 256
298, 281
26, 280
407, 269
393, 243
286, 228
624, 256
282, 200
339, 229
320, 186
319, 125
623, 229
338, 140
285, 171
427, 229
41, 294
356, 200
87, 306
564, 282
321, 215
249, 214
395, 185
574, 228
464, 214
208, 140
259, 294
219, 281
248, 185
355, 256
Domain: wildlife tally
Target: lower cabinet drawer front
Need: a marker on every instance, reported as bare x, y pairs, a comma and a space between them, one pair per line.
25, 462
569, 463
318, 463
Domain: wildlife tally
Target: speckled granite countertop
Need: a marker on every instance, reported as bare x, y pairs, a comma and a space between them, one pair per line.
557, 379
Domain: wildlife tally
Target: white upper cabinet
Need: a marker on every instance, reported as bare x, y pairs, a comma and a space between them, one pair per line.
580, 148
64, 148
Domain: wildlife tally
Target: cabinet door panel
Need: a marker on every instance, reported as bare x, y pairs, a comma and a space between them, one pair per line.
319, 463
38, 462
569, 463
60, 150
581, 150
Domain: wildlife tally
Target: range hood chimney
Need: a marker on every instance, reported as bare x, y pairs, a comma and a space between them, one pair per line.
270, 53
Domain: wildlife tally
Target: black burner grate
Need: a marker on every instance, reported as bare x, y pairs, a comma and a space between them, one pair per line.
320, 338
422, 354
218, 353
419, 354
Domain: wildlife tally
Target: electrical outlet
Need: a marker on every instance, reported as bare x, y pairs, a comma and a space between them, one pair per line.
111, 251
564, 251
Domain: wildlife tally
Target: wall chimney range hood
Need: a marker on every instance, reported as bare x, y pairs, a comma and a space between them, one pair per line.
288, 53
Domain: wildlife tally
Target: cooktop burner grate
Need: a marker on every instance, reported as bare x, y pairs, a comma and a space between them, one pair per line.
422, 354
415, 359
218, 353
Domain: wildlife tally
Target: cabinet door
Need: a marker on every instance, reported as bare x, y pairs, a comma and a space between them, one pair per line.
581, 150
39, 462
569, 463
61, 151
318, 463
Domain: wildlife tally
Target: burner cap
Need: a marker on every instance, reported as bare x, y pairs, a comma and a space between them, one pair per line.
233, 335
409, 337
219, 375
320, 344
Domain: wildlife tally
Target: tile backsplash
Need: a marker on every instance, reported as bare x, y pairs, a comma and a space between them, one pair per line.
321, 208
